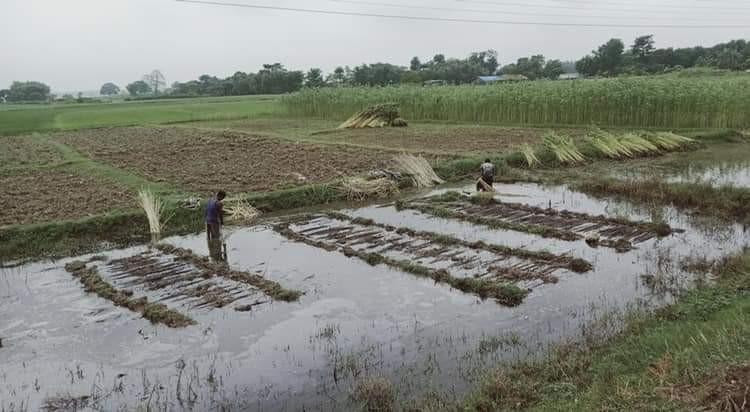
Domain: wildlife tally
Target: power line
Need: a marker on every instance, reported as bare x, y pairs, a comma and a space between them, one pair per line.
455, 20
680, 10
661, 6
453, 9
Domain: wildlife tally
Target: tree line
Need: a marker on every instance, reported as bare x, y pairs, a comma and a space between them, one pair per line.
612, 58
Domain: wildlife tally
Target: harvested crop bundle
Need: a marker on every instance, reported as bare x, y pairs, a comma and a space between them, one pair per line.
418, 169
154, 208
240, 211
563, 148
359, 189
380, 115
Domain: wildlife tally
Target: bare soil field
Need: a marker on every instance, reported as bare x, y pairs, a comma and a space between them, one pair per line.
19, 152
32, 196
203, 161
418, 137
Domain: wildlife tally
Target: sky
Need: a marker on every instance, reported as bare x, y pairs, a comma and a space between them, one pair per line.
77, 45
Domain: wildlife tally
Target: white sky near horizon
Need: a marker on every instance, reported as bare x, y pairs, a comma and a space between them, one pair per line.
80, 44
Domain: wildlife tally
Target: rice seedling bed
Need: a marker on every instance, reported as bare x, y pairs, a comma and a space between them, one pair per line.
620, 234
502, 273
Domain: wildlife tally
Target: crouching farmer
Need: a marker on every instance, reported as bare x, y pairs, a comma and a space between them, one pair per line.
487, 170
215, 215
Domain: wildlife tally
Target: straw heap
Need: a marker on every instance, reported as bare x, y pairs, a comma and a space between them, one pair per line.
418, 169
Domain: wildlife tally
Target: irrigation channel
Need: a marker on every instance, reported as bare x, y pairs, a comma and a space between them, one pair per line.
387, 291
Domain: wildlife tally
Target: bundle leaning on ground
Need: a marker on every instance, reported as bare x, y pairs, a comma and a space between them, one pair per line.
418, 169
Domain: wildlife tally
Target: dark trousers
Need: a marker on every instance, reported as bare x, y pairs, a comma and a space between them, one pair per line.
487, 179
213, 231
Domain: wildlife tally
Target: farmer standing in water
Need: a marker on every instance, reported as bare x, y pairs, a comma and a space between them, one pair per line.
215, 215
487, 169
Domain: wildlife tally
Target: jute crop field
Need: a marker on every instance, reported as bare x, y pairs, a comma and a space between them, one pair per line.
665, 101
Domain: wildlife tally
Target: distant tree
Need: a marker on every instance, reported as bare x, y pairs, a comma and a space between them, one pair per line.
109, 89
439, 59
155, 80
338, 77
588, 66
610, 57
138, 88
411, 77
730, 59
553, 69
643, 48
314, 78
415, 64
531, 67
4, 95
487, 60
28, 92
378, 74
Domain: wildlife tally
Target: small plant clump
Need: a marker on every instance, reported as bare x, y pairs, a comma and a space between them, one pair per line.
375, 394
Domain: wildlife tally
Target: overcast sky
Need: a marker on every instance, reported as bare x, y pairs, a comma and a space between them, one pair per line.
80, 44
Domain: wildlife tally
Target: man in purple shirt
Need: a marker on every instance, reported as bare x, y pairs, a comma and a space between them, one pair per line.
215, 215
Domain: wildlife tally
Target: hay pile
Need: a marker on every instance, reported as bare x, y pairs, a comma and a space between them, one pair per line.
418, 169
381, 115
563, 148
240, 211
359, 189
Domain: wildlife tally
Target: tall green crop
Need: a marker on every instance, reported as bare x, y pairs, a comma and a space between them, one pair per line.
721, 102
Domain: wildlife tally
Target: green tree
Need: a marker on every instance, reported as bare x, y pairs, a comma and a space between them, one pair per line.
610, 57
138, 88
487, 60
415, 64
643, 48
4, 95
439, 59
155, 80
730, 59
553, 69
338, 77
588, 66
314, 78
109, 89
28, 92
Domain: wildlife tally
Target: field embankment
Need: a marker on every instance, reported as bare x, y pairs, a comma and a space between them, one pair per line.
661, 101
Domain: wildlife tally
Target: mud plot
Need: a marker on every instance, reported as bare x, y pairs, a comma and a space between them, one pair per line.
503, 273
620, 234
19, 152
448, 139
32, 196
177, 282
203, 161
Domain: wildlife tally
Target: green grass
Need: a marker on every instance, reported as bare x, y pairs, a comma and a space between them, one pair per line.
667, 360
40, 118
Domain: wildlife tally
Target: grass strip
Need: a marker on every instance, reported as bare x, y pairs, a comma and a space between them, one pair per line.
503, 293
692, 355
154, 312
577, 265
726, 201
270, 288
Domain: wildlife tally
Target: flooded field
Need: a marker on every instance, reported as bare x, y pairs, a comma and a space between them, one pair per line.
721, 165
388, 291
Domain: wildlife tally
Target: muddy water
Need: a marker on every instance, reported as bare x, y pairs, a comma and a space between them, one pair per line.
719, 165
354, 321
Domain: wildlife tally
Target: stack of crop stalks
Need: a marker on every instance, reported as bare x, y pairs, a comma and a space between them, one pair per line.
563, 148
380, 115
155, 210
418, 169
528, 153
359, 189
638, 145
668, 140
608, 144
240, 211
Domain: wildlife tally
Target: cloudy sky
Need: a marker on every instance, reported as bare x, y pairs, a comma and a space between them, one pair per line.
80, 44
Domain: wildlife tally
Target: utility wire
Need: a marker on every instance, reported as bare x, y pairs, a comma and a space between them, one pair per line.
455, 20
453, 9
677, 10
661, 6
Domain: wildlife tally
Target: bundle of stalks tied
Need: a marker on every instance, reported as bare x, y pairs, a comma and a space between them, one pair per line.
668, 140
154, 208
418, 169
528, 153
359, 189
608, 144
563, 148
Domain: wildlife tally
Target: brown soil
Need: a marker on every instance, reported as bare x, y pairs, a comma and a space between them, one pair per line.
204, 161
446, 139
32, 196
732, 393
19, 152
